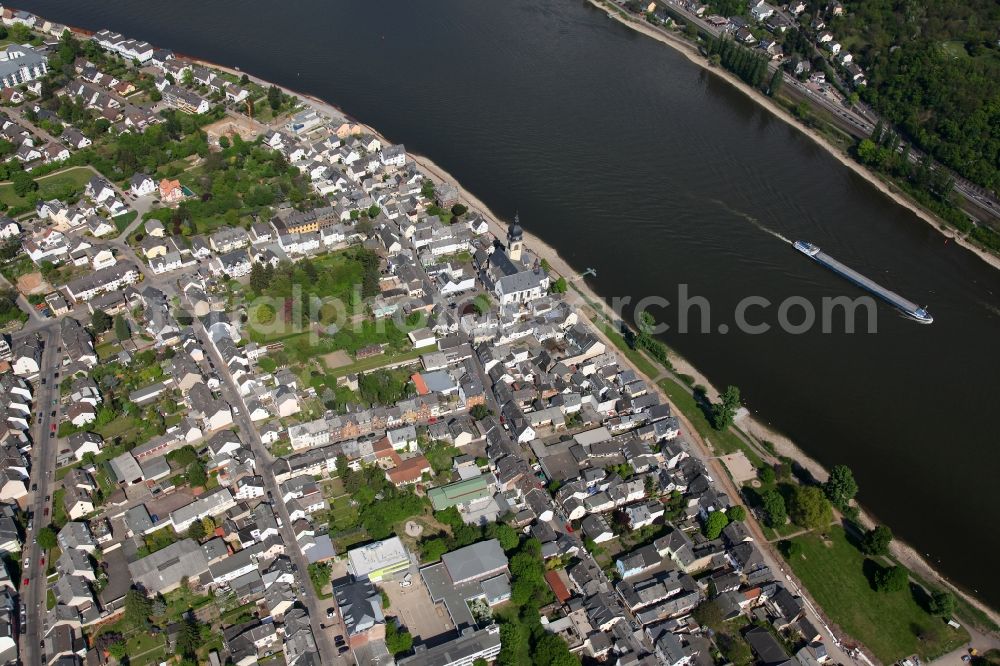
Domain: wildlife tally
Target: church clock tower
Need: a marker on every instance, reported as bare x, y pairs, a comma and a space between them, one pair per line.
515, 239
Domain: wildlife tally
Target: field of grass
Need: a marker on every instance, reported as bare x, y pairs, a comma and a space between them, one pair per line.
52, 185
343, 515
893, 625
146, 649
375, 362
125, 219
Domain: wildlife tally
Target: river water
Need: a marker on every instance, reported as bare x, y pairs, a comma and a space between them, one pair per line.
629, 159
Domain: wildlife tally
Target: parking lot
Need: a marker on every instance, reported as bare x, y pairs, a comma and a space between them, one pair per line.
413, 606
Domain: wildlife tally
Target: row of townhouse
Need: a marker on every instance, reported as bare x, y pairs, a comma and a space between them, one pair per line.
130, 49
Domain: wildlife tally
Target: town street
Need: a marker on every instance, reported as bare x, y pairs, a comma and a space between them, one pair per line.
307, 594
43, 464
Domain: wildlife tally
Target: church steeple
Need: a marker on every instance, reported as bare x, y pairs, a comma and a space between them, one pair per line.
515, 238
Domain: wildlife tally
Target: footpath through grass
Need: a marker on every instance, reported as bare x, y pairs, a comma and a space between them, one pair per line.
892, 625
57, 184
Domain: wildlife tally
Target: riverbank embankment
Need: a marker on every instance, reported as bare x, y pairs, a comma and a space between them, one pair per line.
691, 52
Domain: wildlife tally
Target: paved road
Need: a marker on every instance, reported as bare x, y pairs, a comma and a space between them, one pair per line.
316, 609
43, 464
859, 120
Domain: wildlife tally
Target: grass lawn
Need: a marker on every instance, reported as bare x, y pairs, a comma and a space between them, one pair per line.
59, 516
119, 427
107, 349
54, 184
376, 362
144, 649
122, 221
333, 487
724, 442
348, 538
342, 513
893, 625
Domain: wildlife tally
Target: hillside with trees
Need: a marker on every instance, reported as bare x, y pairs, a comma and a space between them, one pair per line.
934, 72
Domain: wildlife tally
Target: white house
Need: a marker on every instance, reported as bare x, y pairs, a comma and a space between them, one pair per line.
141, 185
99, 189
8, 227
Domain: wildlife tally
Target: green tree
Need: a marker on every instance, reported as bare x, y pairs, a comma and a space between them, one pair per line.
715, 523
891, 579
397, 640
708, 614
121, 327
790, 548
724, 411
188, 639
319, 574
528, 572
196, 474
809, 508
274, 97
117, 649
552, 650
196, 531
775, 512
736, 513
208, 525
458, 210
942, 604
100, 321
841, 487
508, 537
766, 475
46, 538
137, 609
431, 550
876, 541
24, 184
777, 79
513, 636
479, 412
559, 286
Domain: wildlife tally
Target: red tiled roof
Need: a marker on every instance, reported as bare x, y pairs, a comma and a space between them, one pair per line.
420, 384
558, 586
409, 471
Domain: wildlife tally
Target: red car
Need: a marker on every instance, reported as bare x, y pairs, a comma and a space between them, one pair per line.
25, 582
53, 427
46, 512
41, 562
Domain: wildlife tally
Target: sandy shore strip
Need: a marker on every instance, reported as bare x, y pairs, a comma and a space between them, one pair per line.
691, 53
